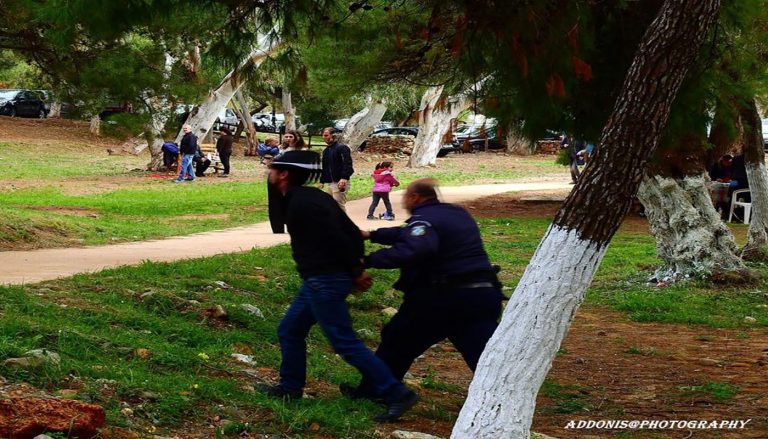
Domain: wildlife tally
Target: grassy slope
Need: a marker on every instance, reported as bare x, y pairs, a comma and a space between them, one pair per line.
97, 322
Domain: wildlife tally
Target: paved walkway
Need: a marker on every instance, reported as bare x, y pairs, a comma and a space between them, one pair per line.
20, 267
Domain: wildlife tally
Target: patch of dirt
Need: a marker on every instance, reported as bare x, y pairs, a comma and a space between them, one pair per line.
626, 370
74, 211
537, 204
56, 132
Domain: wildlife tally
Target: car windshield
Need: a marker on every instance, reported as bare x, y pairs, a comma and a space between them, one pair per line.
8, 94
765, 127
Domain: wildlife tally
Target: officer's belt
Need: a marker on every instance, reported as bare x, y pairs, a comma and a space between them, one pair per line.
472, 285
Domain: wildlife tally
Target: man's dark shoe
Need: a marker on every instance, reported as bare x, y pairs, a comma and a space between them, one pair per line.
353, 392
279, 391
396, 408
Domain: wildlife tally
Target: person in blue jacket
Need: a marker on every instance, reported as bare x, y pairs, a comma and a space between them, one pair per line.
450, 288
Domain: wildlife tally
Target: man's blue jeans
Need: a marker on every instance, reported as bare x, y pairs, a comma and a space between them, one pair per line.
186, 167
322, 299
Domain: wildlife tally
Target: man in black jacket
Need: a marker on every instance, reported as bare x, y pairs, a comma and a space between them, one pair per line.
328, 250
187, 148
337, 167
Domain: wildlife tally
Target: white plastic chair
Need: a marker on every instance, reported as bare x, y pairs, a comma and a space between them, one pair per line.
736, 201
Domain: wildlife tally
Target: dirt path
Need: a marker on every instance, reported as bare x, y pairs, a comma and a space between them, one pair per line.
23, 267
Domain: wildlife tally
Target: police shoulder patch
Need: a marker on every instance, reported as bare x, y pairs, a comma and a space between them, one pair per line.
419, 230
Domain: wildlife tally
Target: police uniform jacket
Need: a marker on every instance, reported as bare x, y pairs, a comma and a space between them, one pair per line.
323, 238
437, 249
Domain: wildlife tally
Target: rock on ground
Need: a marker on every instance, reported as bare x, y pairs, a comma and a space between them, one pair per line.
28, 417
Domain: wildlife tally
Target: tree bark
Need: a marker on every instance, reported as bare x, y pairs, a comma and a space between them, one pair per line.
502, 396
362, 123
517, 143
757, 176
95, 125
55, 112
161, 112
288, 111
691, 238
435, 116
247, 122
202, 118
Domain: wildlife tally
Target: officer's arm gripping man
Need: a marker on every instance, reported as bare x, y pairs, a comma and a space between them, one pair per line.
411, 244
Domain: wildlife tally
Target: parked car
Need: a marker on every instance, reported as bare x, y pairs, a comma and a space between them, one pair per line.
265, 123
115, 108
227, 117
393, 131
22, 103
479, 137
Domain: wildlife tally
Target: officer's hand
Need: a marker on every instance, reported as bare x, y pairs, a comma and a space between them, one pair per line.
363, 282
342, 184
365, 234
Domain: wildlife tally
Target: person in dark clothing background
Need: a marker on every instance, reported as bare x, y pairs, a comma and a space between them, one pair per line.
328, 249
337, 167
450, 288
224, 148
202, 163
187, 148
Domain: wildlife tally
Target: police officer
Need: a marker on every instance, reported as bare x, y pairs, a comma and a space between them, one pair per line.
317, 225
450, 287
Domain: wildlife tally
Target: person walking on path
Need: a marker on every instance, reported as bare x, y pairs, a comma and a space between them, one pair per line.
327, 281
337, 167
224, 148
187, 148
450, 287
383, 181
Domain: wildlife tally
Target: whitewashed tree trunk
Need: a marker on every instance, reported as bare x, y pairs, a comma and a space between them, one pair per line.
288, 111
691, 239
55, 110
757, 236
435, 116
362, 123
502, 396
517, 143
95, 126
202, 118
754, 162
245, 117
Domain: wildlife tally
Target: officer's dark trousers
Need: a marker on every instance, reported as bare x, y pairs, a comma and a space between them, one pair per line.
322, 299
467, 318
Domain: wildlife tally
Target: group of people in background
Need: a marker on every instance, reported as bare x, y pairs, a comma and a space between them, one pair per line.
191, 160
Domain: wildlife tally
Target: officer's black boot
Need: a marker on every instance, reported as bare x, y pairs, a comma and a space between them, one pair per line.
353, 392
279, 391
397, 406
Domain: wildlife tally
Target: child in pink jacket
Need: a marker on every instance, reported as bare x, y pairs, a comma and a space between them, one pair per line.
383, 180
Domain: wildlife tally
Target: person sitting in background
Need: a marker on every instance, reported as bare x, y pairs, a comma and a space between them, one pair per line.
269, 147
722, 170
201, 162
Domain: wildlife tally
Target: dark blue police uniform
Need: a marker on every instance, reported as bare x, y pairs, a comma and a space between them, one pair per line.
451, 289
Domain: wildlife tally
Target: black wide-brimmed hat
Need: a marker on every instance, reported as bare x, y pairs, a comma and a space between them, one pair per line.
308, 161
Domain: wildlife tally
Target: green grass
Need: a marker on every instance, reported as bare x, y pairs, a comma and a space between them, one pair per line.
718, 392
564, 398
70, 194
96, 322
